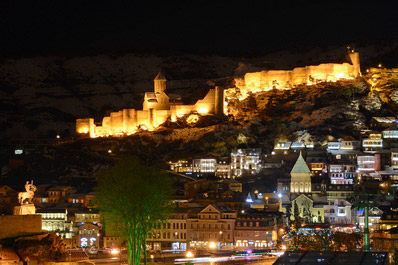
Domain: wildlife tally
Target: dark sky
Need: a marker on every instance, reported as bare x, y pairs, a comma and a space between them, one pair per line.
220, 27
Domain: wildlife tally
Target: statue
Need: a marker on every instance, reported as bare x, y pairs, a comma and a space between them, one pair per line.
28, 195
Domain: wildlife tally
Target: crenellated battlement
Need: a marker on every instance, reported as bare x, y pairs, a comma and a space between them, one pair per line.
308, 75
158, 106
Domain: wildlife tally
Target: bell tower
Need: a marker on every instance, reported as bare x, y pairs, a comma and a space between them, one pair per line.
300, 177
159, 83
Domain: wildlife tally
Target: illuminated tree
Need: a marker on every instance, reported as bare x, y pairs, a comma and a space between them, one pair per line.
342, 241
394, 257
133, 198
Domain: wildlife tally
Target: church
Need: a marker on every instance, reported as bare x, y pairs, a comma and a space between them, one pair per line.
300, 194
158, 107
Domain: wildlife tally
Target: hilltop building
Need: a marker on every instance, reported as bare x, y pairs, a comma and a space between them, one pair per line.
158, 106
307, 75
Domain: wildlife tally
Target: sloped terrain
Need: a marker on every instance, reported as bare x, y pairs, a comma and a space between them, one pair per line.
42, 96
314, 113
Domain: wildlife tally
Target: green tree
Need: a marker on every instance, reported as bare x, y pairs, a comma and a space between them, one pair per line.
342, 241
297, 219
133, 198
395, 257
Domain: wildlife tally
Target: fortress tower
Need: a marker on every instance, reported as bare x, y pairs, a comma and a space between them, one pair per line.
300, 177
353, 57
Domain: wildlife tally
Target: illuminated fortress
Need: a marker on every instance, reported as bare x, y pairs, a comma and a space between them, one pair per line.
158, 106
287, 79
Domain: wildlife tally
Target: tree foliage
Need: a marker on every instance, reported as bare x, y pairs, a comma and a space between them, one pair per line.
133, 197
321, 240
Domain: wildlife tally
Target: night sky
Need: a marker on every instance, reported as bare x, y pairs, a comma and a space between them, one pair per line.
208, 27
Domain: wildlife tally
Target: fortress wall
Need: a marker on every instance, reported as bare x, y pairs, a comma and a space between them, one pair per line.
160, 116
18, 225
285, 79
319, 72
129, 120
101, 131
207, 104
106, 122
143, 118
181, 110
253, 80
330, 72
279, 79
116, 122
85, 126
299, 76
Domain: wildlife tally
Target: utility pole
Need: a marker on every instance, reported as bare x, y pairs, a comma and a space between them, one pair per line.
364, 201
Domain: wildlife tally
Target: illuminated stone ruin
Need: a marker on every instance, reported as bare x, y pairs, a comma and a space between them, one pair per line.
158, 106
308, 75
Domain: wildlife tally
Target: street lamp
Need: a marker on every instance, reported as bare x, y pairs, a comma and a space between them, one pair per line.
189, 254
212, 245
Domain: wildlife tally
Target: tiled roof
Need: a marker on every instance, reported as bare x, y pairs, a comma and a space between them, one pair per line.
300, 166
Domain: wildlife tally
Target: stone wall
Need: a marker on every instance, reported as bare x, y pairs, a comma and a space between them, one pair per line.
18, 225
127, 121
287, 79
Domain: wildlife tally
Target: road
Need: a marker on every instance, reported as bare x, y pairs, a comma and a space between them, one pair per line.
200, 260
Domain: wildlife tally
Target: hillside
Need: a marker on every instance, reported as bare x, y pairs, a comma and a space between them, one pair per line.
40, 99
42, 96
318, 113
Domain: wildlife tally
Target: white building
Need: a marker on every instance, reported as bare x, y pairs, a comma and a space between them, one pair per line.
56, 220
373, 142
368, 163
338, 212
223, 170
245, 162
342, 174
204, 166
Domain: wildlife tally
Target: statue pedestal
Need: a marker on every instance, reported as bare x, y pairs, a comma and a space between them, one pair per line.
25, 209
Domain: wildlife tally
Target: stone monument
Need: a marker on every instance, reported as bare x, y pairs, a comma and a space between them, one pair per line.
26, 200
